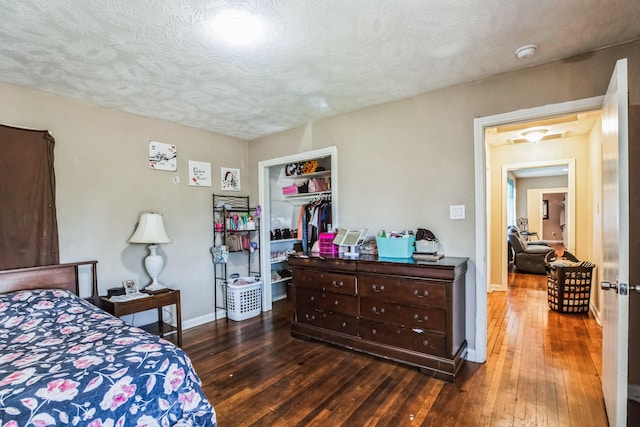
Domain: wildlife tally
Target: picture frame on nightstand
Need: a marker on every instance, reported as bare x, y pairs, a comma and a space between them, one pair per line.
130, 287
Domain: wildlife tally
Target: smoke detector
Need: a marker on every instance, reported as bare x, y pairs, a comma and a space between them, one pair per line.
526, 51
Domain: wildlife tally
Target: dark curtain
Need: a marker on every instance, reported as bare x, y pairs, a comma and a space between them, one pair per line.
28, 225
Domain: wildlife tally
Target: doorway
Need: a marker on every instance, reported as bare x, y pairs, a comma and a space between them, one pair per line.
266, 199
484, 209
554, 218
529, 182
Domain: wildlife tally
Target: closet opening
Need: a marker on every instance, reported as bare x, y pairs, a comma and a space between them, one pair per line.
298, 195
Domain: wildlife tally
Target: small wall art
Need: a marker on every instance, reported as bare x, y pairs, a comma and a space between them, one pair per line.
199, 174
230, 179
163, 156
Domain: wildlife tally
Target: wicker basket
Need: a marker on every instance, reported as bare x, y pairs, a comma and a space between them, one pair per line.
569, 288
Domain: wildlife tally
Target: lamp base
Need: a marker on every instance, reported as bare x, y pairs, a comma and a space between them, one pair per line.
154, 263
155, 287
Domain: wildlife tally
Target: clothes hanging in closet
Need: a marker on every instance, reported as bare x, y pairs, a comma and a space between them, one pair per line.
315, 218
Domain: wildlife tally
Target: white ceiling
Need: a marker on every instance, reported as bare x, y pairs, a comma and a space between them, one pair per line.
319, 58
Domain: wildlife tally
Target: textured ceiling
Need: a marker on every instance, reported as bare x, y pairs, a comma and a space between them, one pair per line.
319, 58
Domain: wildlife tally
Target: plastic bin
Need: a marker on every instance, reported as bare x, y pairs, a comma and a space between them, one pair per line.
391, 247
427, 246
326, 244
568, 288
244, 300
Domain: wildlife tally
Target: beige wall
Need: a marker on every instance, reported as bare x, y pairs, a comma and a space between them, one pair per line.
571, 148
402, 164
103, 183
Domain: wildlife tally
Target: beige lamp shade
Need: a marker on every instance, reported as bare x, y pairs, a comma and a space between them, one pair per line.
150, 230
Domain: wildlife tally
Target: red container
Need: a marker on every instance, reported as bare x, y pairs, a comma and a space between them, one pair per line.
326, 244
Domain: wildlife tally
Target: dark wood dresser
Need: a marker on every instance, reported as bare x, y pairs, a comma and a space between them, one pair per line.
402, 310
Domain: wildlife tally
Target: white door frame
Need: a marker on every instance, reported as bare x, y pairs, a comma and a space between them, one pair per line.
264, 197
479, 354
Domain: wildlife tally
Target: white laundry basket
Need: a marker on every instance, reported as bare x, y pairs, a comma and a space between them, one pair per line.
244, 298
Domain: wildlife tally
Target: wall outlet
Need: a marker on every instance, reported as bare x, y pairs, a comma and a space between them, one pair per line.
456, 212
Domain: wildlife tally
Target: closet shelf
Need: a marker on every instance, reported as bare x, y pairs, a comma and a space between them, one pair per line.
284, 279
309, 175
237, 231
305, 195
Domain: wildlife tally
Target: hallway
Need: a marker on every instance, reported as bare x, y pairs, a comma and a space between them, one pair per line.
545, 366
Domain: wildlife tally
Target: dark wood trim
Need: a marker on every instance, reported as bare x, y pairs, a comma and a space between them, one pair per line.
56, 276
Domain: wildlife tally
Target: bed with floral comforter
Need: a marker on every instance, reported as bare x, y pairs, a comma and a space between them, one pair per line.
65, 362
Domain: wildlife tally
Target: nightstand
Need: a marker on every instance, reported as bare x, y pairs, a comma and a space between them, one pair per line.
155, 300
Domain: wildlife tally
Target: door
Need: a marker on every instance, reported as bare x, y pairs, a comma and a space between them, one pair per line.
615, 213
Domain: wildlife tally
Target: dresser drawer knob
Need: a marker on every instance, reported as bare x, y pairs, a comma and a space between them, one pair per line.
424, 293
375, 310
344, 324
417, 318
373, 331
425, 343
377, 288
312, 317
337, 284
335, 302
312, 298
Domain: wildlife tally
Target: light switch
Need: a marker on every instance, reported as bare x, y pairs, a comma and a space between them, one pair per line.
456, 211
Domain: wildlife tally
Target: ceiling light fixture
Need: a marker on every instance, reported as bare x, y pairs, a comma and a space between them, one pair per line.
534, 135
237, 27
526, 51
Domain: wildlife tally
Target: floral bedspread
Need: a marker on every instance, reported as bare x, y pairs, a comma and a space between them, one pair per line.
65, 362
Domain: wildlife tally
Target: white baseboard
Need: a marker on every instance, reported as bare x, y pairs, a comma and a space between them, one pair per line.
595, 312
211, 317
471, 356
495, 288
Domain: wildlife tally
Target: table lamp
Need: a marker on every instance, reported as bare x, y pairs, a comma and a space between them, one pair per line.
151, 230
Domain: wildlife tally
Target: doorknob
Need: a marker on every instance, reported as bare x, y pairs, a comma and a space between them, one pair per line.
608, 286
622, 287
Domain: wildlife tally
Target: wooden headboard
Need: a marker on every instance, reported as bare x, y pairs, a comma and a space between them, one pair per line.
57, 276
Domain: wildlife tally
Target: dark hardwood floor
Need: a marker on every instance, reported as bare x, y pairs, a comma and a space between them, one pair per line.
543, 369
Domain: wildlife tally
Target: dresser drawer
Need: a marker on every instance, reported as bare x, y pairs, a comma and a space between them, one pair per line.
408, 316
325, 281
403, 290
310, 300
332, 321
415, 339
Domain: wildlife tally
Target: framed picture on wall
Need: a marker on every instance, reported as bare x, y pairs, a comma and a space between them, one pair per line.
162, 156
230, 179
199, 174
545, 209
